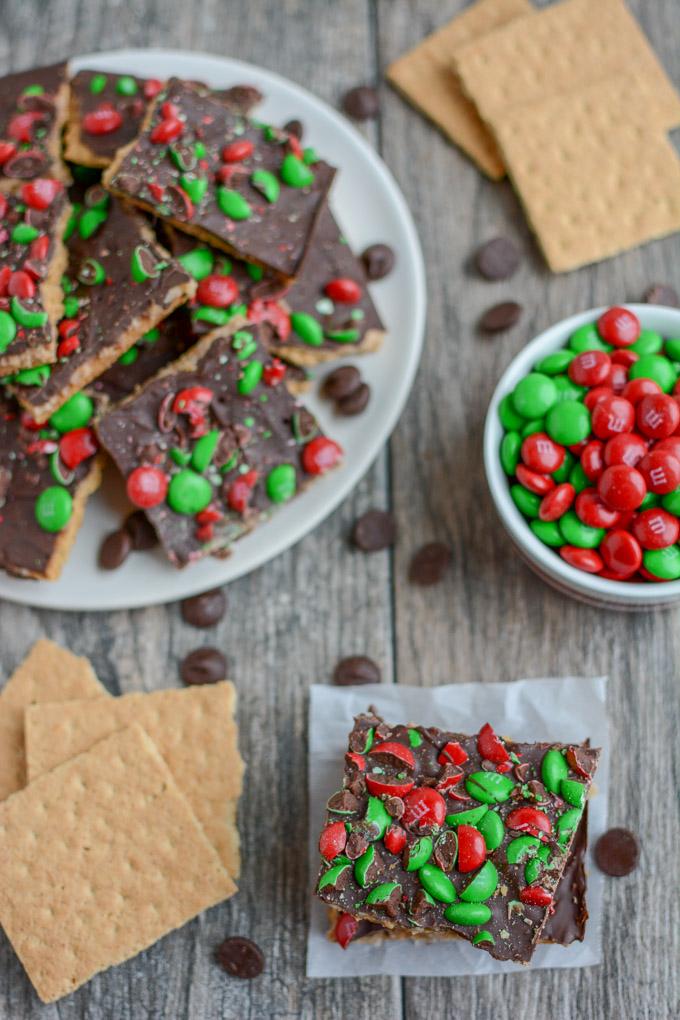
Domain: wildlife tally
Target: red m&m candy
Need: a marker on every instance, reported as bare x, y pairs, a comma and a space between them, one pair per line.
656, 528
622, 487
612, 415
661, 471
540, 453
658, 415
147, 486
619, 327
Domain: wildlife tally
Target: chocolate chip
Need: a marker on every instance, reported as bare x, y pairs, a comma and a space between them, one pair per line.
240, 957
661, 294
205, 610
203, 666
356, 669
294, 128
378, 260
355, 402
374, 530
394, 806
141, 531
114, 550
361, 102
617, 852
537, 791
498, 259
341, 382
500, 317
429, 564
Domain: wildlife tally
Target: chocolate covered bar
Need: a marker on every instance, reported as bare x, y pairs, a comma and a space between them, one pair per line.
120, 283
215, 443
33, 216
326, 313
106, 112
46, 476
33, 108
445, 833
242, 186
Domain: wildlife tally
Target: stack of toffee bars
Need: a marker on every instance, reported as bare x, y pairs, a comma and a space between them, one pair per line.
163, 314
445, 835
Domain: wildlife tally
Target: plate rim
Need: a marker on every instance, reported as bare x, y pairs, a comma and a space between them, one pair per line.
410, 366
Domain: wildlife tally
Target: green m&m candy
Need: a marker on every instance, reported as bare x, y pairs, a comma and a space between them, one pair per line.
566, 824
97, 84
252, 373
307, 328
25, 317
520, 848
578, 478
198, 262
194, 186
189, 492
295, 173
437, 883
568, 422
419, 853
204, 450
528, 503
471, 816
74, 414
330, 877
492, 829
547, 532
377, 817
468, 914
573, 792
563, 472
483, 936
587, 338
382, 893
663, 563
363, 865
510, 449
266, 183
8, 330
233, 204
656, 367
556, 363
489, 787
125, 86
510, 419
281, 483
533, 426
671, 502
534, 395
672, 348
53, 508
554, 769
567, 389
483, 885
649, 342
577, 533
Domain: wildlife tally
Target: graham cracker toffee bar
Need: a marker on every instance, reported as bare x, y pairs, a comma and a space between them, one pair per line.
33, 108
449, 833
215, 443
241, 185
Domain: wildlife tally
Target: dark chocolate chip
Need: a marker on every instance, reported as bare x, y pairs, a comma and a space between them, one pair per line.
498, 259
203, 666
361, 102
617, 852
114, 550
378, 260
356, 669
341, 382
205, 610
141, 531
355, 402
295, 128
662, 294
500, 317
240, 957
429, 564
374, 530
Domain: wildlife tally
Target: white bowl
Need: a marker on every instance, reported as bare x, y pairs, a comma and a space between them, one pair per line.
545, 561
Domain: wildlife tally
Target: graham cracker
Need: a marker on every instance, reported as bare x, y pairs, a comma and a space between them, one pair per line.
193, 729
594, 178
426, 78
560, 49
98, 860
48, 673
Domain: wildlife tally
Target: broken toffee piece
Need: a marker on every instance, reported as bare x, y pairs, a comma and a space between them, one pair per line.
243, 186
33, 216
326, 313
465, 835
33, 108
120, 284
107, 109
214, 443
46, 476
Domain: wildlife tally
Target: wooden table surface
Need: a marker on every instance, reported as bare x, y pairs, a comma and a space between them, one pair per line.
288, 623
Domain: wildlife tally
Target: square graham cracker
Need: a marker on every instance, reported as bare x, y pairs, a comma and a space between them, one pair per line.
48, 673
98, 860
594, 178
426, 78
193, 729
561, 49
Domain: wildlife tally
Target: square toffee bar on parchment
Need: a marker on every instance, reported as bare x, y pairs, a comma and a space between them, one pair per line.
119, 284
449, 833
241, 185
107, 109
33, 107
33, 216
215, 443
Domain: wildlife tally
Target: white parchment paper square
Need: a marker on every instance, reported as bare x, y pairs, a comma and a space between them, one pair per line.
567, 710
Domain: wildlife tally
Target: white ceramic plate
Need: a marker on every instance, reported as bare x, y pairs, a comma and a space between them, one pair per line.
370, 208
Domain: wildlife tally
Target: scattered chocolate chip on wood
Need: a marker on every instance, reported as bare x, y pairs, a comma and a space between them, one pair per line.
498, 259
205, 610
240, 957
115, 549
617, 852
203, 666
662, 294
500, 317
361, 102
374, 530
430, 564
378, 260
294, 128
141, 531
356, 669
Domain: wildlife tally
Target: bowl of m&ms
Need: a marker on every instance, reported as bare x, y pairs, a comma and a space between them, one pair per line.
582, 455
